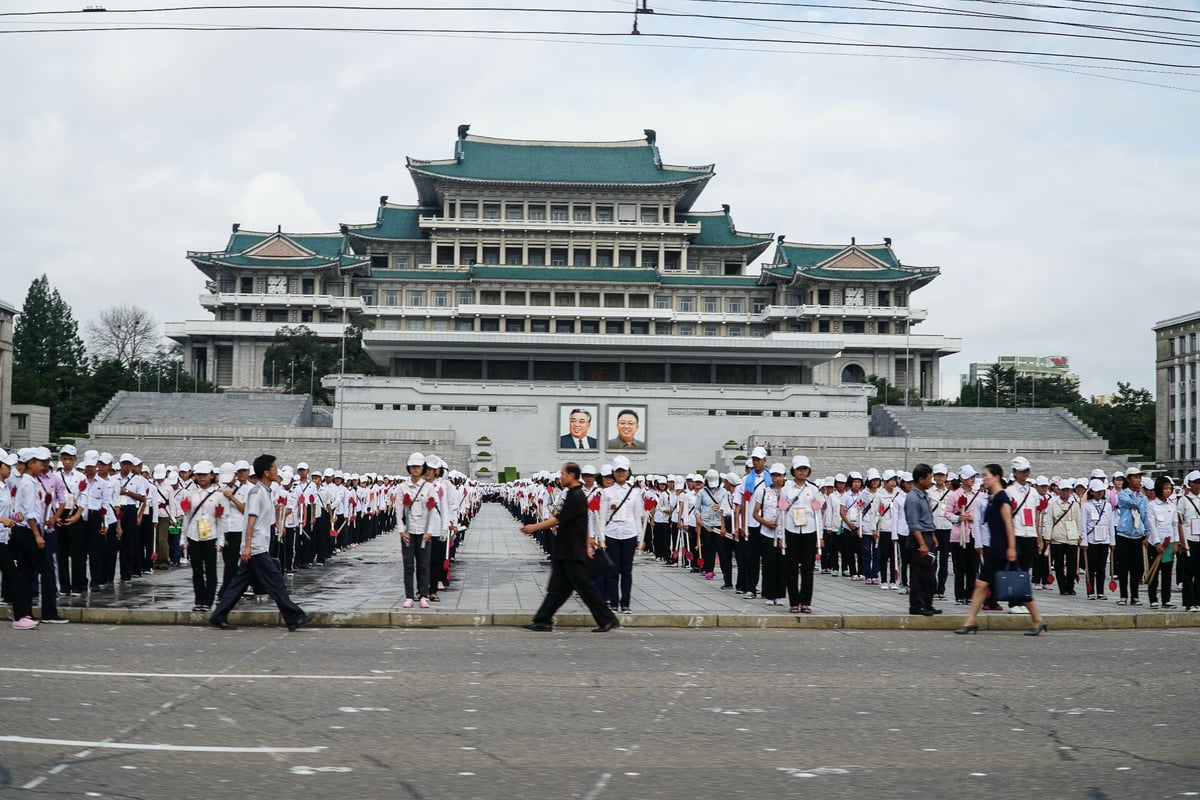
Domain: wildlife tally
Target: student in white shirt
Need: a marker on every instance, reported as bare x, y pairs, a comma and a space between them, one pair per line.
1162, 531
1097, 520
203, 508
802, 503
1189, 541
768, 507
621, 512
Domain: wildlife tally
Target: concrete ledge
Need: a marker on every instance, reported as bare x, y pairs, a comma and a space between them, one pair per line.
901, 622
1167, 619
823, 622
127, 616
441, 619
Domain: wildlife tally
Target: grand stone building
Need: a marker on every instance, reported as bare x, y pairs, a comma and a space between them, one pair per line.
1177, 354
532, 274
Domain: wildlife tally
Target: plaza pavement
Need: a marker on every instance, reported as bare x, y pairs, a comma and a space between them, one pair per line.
500, 575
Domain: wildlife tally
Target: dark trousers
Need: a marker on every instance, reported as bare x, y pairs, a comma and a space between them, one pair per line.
966, 567
774, 569
131, 539
868, 554
943, 551
16, 588
662, 540
801, 560
1189, 574
707, 561
724, 547
1065, 557
112, 549
1027, 554
437, 564
923, 581
231, 557
887, 558
905, 558
567, 577
1097, 565
1128, 565
621, 552
33, 565
829, 553
416, 565
162, 543
323, 541
748, 558
260, 569
850, 546
146, 534
203, 557
72, 557
97, 540
1161, 578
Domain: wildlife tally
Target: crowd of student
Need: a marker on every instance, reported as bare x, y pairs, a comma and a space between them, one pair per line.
765, 533
76, 527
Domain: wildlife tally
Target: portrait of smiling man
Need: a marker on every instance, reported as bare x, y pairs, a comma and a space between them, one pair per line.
625, 423
578, 429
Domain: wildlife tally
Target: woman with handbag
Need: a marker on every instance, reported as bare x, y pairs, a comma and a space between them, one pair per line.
998, 549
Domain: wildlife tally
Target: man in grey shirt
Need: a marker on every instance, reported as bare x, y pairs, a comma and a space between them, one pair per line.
256, 563
918, 514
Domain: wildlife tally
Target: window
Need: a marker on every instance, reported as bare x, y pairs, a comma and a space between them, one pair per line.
625, 258
582, 258
391, 297
662, 301
229, 286
639, 328
489, 324
711, 305
464, 325
589, 299
604, 213
589, 326
416, 298
537, 258
558, 213
306, 316
537, 212
822, 297
710, 330
558, 257
399, 262
469, 212
490, 298
685, 330
441, 299
583, 214
614, 327
491, 255
277, 315
823, 326
882, 297
368, 298
247, 286
734, 305
733, 268
416, 324
491, 211
379, 262
247, 315
734, 330
564, 299
22, 421
649, 214
882, 326
564, 326
853, 326
604, 258
650, 260
709, 267
539, 298
391, 324
512, 256
612, 300
639, 301
514, 298
758, 305
662, 329
514, 325
758, 331
513, 212
228, 314
539, 326
626, 212
687, 303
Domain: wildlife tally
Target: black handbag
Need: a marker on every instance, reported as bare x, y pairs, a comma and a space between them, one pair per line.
1012, 585
600, 564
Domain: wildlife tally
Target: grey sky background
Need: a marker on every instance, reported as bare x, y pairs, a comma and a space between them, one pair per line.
1059, 204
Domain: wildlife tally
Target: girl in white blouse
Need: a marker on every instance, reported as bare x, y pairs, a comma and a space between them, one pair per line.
1162, 529
1096, 519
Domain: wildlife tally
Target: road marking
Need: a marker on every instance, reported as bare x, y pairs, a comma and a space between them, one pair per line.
197, 675
36, 782
176, 748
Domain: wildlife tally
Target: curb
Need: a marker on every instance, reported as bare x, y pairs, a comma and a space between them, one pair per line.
483, 619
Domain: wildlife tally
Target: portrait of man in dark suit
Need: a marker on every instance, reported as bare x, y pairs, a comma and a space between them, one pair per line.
578, 427
625, 427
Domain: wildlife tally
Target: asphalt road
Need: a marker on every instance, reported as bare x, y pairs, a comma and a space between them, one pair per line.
503, 713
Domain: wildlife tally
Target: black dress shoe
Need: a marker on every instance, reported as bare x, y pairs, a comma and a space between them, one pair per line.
304, 620
222, 625
933, 611
606, 627
540, 627
922, 612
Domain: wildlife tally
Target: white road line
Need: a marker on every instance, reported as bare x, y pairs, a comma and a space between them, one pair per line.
176, 748
36, 782
198, 675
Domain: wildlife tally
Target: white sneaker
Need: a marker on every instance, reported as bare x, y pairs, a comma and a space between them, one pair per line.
408, 603
1018, 610
885, 586
25, 624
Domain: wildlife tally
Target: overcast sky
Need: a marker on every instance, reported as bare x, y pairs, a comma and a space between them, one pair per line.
1060, 205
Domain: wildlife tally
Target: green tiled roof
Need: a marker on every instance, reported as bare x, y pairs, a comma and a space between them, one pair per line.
327, 250
717, 230
329, 245
394, 222
860, 274
633, 162
806, 255
616, 275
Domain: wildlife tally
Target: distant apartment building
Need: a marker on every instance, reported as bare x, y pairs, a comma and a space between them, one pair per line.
1177, 352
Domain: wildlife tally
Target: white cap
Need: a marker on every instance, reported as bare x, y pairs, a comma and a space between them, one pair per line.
88, 461
712, 479
855, 474
731, 477
241, 464
906, 477
185, 467
800, 461
966, 471
888, 474
416, 460
872, 474
777, 469
160, 472
1057, 480
126, 457
434, 461
941, 469
92, 454
7, 458
137, 462
302, 465
68, 450
839, 478
1118, 474
588, 469
1041, 480
758, 452
1020, 464
328, 473
606, 470
203, 468
1099, 473
620, 462
104, 458
1194, 475
1132, 471
226, 472
1096, 485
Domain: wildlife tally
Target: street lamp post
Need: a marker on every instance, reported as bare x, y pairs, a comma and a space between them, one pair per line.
340, 400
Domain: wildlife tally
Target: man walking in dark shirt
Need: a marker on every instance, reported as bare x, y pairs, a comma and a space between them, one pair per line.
922, 542
570, 551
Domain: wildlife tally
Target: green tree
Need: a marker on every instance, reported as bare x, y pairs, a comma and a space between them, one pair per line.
1001, 387
890, 395
48, 358
1127, 424
297, 360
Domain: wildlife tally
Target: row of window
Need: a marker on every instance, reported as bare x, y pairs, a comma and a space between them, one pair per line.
647, 213
1182, 345
613, 326
709, 304
628, 371
556, 257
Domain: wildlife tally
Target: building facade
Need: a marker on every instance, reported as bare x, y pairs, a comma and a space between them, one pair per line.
1024, 367
581, 267
1177, 353
8, 315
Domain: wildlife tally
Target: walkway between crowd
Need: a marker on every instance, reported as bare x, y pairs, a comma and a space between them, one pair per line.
500, 577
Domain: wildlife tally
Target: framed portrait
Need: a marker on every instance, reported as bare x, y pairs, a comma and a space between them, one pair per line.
626, 429
578, 427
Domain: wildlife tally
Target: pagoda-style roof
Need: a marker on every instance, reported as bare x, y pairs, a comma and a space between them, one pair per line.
486, 160
795, 263
278, 250
393, 223
718, 231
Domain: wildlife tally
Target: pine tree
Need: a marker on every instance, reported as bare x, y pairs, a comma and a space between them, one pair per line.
48, 357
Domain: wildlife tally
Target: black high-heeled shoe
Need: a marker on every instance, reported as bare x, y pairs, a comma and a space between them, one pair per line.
1036, 629
967, 629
